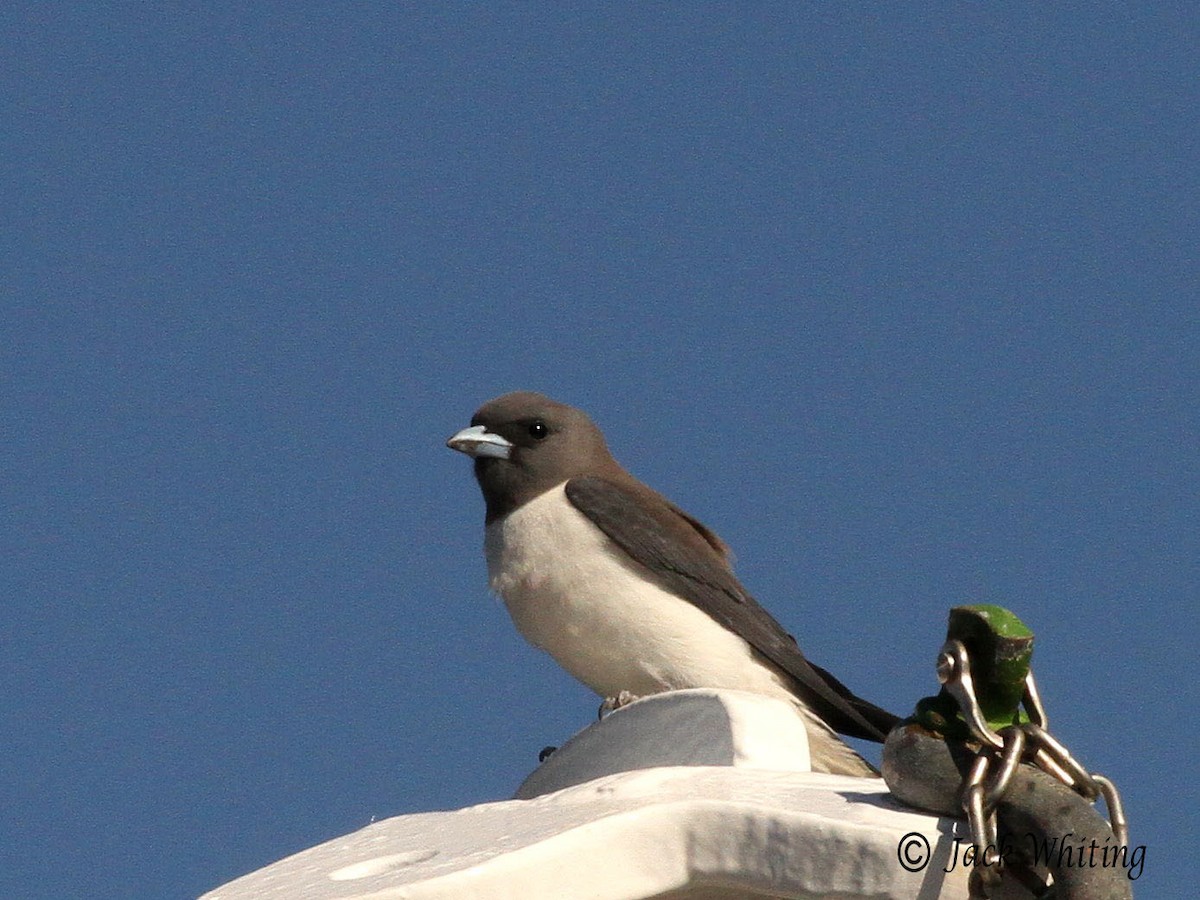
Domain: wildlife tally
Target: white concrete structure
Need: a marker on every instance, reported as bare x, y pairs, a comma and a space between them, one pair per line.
693, 794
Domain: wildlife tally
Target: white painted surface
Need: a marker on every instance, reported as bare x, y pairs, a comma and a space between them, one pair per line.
699, 727
754, 825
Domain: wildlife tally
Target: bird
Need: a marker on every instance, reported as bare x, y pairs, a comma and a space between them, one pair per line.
626, 591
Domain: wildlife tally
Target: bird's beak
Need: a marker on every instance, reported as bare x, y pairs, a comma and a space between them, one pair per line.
477, 441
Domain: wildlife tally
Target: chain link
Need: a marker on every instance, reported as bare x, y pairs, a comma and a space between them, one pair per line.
1027, 742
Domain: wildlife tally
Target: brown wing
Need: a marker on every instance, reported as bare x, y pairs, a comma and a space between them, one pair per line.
686, 558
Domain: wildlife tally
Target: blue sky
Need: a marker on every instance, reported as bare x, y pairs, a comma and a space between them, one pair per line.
902, 301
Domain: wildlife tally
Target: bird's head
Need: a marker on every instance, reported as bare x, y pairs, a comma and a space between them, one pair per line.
524, 444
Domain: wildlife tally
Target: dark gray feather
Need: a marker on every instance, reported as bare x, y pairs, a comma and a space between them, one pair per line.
688, 560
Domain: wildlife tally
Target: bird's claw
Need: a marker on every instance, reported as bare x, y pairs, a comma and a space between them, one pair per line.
612, 704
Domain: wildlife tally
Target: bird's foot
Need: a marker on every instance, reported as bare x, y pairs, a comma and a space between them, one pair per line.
612, 704
546, 753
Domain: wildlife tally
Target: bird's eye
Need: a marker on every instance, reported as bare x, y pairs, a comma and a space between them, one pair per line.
538, 430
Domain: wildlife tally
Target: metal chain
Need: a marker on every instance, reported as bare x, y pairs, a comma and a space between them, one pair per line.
1029, 742
980, 799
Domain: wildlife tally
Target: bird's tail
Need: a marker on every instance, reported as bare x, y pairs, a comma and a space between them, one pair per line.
880, 720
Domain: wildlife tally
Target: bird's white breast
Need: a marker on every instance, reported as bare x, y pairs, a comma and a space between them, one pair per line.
574, 593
